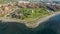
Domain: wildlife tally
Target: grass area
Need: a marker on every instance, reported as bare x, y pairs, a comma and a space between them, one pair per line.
37, 13
1, 1
29, 14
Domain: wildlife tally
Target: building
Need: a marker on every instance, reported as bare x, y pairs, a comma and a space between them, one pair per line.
23, 2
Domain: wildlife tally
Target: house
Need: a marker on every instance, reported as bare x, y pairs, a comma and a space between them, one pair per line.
23, 2
6, 8
26, 4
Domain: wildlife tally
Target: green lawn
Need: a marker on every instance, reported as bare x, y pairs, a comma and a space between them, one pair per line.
31, 14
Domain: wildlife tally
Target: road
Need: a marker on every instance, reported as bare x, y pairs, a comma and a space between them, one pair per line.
11, 20
10, 12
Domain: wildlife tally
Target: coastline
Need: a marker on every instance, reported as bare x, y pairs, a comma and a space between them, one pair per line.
31, 25
34, 25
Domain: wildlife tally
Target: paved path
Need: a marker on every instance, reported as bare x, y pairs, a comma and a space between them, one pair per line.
11, 20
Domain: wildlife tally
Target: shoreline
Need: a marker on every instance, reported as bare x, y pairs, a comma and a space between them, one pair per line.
34, 25
31, 25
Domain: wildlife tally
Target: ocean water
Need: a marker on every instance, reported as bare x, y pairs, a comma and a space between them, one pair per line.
51, 26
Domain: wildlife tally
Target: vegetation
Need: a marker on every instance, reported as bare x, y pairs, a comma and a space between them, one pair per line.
1, 1
30, 14
27, 14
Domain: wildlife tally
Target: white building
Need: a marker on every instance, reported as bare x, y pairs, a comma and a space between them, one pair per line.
23, 2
